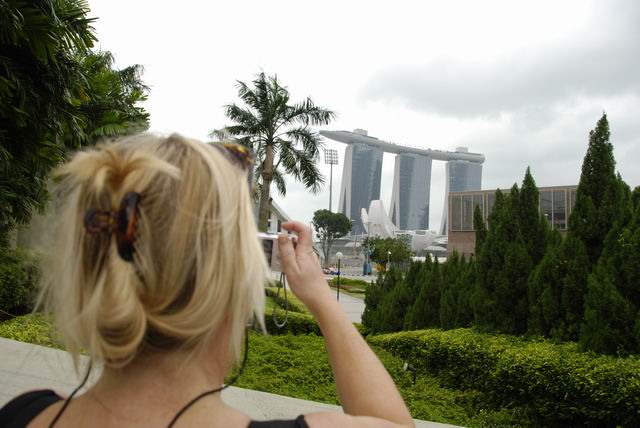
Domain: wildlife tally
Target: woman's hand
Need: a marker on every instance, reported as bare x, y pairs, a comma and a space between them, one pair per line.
302, 267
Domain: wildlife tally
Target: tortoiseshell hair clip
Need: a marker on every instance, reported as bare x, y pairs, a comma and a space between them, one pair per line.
123, 223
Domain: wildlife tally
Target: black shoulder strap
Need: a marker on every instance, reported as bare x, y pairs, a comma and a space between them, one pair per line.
20, 411
299, 422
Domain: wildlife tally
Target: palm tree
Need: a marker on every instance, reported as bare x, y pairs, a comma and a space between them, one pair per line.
280, 136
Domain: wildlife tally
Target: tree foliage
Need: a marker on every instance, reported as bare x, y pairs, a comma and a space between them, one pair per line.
598, 198
55, 96
330, 226
280, 134
394, 250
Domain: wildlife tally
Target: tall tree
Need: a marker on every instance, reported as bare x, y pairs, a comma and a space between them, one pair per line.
425, 312
479, 226
610, 321
504, 265
556, 290
598, 196
393, 308
394, 250
635, 197
280, 134
452, 270
534, 228
330, 226
465, 284
374, 297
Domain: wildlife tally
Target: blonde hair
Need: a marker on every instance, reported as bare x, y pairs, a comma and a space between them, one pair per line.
197, 261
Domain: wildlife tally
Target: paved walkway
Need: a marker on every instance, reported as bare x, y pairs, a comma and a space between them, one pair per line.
26, 367
353, 306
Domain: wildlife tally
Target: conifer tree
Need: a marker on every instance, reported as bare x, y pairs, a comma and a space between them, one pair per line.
635, 197
504, 265
534, 232
393, 308
480, 228
413, 277
375, 294
612, 317
598, 199
556, 290
610, 321
425, 312
465, 285
451, 270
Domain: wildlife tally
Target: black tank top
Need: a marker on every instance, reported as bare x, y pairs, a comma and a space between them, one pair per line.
20, 411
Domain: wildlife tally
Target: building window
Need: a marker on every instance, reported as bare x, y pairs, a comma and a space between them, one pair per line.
456, 212
279, 225
546, 205
467, 212
572, 203
559, 210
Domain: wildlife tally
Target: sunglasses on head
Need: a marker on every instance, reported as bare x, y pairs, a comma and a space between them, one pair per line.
238, 154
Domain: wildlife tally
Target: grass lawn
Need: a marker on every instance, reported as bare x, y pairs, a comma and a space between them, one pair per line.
297, 366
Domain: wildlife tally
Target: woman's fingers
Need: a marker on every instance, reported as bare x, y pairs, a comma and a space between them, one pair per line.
305, 238
287, 254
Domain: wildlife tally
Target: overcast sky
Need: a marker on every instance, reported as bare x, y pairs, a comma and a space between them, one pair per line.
521, 82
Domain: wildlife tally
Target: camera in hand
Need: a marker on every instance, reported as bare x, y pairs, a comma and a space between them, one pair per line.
272, 250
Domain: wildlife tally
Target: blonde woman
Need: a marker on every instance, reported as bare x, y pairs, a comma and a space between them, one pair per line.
156, 273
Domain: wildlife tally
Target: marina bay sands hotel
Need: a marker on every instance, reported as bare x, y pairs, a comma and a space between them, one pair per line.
362, 174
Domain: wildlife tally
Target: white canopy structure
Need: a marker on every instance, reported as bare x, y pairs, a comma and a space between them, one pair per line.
377, 224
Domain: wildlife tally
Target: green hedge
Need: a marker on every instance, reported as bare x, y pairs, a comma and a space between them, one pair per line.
351, 285
297, 323
295, 305
31, 329
555, 384
19, 275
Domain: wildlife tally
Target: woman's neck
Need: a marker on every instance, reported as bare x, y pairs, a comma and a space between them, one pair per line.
164, 382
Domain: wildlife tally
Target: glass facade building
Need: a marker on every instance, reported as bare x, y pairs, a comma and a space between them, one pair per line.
461, 176
555, 203
411, 192
361, 179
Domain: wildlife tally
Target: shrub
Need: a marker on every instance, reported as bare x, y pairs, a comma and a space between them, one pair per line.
297, 323
295, 305
31, 329
18, 280
351, 285
555, 384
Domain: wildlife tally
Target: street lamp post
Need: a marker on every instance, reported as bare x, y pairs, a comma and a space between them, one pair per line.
330, 158
388, 257
338, 257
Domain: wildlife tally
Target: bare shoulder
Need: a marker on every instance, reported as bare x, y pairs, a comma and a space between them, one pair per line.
340, 420
45, 417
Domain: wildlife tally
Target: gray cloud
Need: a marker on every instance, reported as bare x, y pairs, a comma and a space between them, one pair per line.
603, 62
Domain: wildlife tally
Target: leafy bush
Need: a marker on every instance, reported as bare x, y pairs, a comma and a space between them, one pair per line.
356, 284
18, 280
298, 366
297, 323
554, 384
295, 305
31, 329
